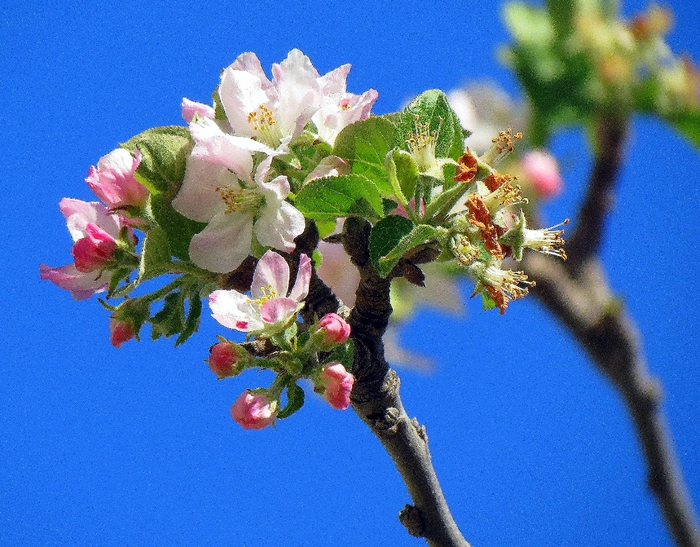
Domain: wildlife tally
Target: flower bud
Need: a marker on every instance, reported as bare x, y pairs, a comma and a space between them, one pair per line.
94, 251
335, 329
120, 331
222, 357
113, 180
542, 170
335, 385
253, 410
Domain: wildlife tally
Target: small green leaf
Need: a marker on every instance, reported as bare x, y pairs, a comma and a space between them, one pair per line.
170, 319
432, 108
193, 316
179, 229
365, 144
423, 233
155, 254
164, 152
329, 198
688, 125
295, 400
385, 236
344, 355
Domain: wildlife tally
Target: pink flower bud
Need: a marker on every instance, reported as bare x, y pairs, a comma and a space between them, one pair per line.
335, 329
253, 410
120, 331
336, 385
542, 169
222, 357
113, 179
95, 250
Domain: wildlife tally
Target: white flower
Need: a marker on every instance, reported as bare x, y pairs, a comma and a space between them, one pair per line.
218, 189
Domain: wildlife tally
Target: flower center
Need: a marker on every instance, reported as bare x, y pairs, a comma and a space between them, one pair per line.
240, 200
421, 143
268, 293
265, 126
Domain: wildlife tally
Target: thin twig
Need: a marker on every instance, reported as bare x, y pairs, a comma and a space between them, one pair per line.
578, 294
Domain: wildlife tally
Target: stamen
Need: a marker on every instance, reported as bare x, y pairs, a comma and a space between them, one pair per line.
501, 146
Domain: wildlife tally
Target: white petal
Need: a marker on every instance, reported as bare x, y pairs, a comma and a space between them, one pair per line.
224, 243
198, 199
278, 226
242, 93
235, 311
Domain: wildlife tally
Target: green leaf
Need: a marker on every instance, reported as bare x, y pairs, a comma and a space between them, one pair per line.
179, 230
365, 144
155, 254
193, 316
295, 400
344, 355
423, 233
385, 236
171, 318
164, 152
688, 124
329, 198
432, 107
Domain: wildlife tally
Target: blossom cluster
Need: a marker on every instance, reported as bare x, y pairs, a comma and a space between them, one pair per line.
221, 205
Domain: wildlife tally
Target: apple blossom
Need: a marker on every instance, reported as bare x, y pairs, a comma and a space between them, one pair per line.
253, 410
340, 108
222, 357
335, 385
271, 112
113, 179
269, 310
90, 221
219, 189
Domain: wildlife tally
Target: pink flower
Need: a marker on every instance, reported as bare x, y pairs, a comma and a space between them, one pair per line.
91, 221
120, 331
336, 385
335, 330
222, 357
542, 170
253, 411
192, 108
113, 180
270, 310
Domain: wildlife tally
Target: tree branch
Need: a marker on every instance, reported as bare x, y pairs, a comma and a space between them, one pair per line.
578, 294
375, 398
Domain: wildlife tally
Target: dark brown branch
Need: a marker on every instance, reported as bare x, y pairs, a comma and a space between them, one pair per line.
375, 398
578, 294
599, 199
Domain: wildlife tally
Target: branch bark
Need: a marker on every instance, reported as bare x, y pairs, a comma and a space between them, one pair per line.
375, 398
578, 294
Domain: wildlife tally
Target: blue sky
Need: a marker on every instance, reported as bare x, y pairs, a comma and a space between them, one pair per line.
107, 447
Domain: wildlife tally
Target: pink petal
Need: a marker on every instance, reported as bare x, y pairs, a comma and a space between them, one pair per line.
192, 108
278, 310
81, 285
301, 285
271, 273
